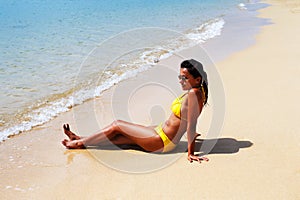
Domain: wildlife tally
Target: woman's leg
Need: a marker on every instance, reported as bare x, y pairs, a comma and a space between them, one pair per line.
145, 137
117, 140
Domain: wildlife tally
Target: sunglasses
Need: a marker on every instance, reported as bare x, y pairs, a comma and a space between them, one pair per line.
182, 77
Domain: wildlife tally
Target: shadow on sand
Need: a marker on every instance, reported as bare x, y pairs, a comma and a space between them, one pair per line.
220, 146
202, 146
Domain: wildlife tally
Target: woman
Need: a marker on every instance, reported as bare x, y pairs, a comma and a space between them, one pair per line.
163, 138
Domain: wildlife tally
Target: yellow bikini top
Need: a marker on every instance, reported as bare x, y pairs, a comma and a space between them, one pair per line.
176, 105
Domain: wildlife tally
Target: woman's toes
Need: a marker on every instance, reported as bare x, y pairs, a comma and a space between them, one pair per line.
64, 142
66, 127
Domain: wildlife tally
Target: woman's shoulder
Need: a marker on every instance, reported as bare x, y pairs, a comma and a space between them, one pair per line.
195, 94
193, 91
192, 94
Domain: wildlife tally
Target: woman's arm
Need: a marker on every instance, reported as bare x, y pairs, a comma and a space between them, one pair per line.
194, 111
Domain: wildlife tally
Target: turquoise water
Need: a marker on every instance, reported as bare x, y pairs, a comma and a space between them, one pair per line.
43, 45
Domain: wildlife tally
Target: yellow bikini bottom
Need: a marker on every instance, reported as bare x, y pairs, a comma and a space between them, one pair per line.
168, 144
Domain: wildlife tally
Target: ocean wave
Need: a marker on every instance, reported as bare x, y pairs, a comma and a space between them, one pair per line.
206, 31
44, 111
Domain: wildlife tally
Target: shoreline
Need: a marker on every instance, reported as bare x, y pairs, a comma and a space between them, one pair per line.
53, 105
39, 167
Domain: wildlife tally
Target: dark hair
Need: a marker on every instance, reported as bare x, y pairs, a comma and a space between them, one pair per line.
195, 68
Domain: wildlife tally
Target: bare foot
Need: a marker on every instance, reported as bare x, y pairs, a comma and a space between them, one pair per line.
73, 144
69, 133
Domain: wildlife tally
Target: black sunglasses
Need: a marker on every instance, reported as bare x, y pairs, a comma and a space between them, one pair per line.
182, 77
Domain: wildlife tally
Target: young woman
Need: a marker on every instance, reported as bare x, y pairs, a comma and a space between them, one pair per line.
163, 138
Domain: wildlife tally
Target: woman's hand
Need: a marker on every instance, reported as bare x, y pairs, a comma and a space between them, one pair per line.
192, 158
197, 135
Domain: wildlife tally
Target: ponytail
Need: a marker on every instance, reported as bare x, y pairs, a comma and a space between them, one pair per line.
204, 90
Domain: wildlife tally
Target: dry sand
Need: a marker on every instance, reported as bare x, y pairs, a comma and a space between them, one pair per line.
262, 108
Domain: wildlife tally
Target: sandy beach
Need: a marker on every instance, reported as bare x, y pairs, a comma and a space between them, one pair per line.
256, 155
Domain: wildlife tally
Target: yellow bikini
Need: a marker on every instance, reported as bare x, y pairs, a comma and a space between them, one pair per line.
168, 144
176, 105
176, 109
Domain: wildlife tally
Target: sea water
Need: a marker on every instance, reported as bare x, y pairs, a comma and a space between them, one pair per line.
45, 44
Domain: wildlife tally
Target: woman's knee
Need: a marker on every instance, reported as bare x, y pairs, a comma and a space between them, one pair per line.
117, 124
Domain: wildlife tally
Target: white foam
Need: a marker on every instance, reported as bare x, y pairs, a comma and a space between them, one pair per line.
38, 117
207, 31
242, 6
